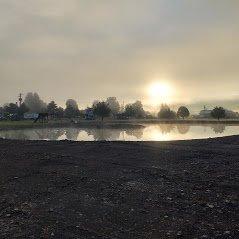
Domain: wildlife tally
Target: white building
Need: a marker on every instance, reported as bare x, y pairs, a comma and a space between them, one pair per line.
205, 113
30, 116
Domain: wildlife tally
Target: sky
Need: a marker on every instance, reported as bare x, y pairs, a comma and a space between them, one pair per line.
92, 49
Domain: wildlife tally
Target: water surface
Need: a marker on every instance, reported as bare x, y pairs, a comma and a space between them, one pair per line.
154, 132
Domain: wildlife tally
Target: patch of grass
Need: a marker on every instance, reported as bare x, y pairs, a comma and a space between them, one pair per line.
8, 124
23, 124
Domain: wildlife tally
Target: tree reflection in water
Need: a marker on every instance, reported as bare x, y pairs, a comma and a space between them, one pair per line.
15, 134
72, 133
137, 133
166, 128
104, 134
50, 134
183, 128
218, 128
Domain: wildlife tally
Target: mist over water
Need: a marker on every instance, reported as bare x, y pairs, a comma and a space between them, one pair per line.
159, 132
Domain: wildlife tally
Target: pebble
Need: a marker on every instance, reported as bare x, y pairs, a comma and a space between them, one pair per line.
210, 205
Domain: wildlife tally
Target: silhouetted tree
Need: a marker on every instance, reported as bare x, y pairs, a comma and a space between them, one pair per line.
218, 113
113, 105
51, 108
101, 110
135, 110
71, 112
34, 103
22, 109
59, 112
166, 113
183, 112
11, 108
72, 103
72, 109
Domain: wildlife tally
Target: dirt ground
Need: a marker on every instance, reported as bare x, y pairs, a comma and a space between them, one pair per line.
186, 189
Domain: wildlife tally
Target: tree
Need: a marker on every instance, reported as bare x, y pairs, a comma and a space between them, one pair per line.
34, 103
135, 110
95, 102
59, 112
72, 109
11, 108
218, 113
102, 110
72, 103
113, 105
71, 112
51, 108
183, 112
22, 109
166, 113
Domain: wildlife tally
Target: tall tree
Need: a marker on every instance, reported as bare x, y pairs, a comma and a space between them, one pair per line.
102, 110
59, 112
166, 113
51, 108
72, 109
34, 103
72, 103
113, 105
183, 112
218, 113
135, 110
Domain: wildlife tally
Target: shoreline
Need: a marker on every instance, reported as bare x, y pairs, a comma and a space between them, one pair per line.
68, 189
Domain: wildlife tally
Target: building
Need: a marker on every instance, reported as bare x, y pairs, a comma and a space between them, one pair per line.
231, 114
2, 116
30, 116
89, 114
205, 113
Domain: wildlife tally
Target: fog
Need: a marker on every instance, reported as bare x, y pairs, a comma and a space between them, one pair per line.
88, 50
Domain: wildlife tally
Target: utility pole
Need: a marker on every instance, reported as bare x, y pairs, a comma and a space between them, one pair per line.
20, 99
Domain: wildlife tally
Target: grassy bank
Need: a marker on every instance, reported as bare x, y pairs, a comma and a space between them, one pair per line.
25, 124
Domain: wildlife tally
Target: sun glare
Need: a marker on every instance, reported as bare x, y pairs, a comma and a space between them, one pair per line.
159, 91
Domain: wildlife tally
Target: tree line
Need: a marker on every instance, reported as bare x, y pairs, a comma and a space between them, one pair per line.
108, 108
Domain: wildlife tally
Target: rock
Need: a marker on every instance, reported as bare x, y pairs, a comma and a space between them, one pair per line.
210, 205
179, 233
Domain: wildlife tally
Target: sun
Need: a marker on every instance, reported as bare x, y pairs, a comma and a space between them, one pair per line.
159, 91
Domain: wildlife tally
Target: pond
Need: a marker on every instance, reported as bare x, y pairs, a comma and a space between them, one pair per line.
152, 132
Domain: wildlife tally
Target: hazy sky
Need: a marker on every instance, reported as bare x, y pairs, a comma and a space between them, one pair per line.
91, 49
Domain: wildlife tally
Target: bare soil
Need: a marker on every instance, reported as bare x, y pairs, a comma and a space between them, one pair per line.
183, 189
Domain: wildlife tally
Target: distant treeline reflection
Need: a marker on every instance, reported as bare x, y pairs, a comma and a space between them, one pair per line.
98, 134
